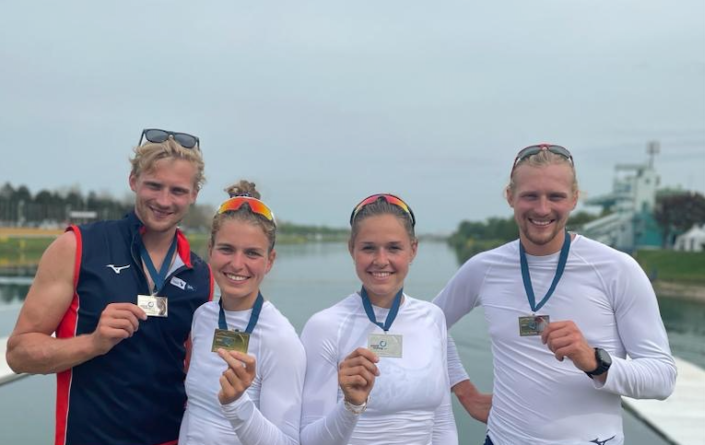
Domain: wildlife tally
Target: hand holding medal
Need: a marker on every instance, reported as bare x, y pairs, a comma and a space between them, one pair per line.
238, 377
356, 375
118, 321
565, 340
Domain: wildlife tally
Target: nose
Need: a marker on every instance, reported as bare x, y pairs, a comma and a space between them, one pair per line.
164, 198
381, 259
543, 206
237, 261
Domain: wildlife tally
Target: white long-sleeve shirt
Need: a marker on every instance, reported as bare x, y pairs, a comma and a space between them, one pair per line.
410, 402
536, 398
269, 412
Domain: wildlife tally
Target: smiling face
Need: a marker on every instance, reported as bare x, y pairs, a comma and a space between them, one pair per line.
382, 251
240, 258
542, 199
164, 193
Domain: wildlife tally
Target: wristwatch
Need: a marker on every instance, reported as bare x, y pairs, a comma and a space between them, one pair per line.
604, 361
356, 409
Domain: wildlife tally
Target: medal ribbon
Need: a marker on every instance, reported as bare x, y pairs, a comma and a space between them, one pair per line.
526, 277
254, 317
392, 311
157, 277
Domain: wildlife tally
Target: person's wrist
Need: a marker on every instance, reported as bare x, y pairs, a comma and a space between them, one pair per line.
354, 408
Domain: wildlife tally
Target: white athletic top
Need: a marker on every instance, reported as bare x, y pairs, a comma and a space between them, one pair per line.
269, 412
410, 402
537, 399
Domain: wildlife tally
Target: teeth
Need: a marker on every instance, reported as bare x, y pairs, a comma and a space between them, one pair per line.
235, 277
541, 223
381, 274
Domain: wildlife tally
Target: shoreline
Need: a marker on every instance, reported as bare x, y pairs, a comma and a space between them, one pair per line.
680, 291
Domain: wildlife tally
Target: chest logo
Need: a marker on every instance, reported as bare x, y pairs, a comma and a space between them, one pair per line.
602, 442
117, 269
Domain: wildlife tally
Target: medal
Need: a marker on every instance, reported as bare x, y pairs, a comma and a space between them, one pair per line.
535, 324
230, 341
152, 305
234, 340
384, 345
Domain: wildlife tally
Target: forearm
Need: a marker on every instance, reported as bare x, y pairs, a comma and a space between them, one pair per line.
642, 378
252, 428
335, 428
477, 404
38, 353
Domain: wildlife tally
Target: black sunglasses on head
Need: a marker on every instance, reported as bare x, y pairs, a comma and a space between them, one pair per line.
536, 149
157, 136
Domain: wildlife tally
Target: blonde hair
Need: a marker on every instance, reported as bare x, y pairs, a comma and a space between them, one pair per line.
541, 159
244, 188
146, 155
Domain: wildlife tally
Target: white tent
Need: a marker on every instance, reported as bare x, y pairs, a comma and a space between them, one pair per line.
691, 241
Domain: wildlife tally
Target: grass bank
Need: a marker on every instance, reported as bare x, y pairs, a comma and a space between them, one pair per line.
673, 266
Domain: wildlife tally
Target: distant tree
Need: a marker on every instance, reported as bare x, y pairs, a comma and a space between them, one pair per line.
677, 213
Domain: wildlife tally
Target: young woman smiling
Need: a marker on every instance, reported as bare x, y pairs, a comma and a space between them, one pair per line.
376, 361
247, 366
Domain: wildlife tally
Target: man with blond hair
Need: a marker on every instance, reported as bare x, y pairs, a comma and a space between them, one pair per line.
120, 296
564, 312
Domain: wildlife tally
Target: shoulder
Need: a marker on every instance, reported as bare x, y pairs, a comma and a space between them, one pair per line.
493, 256
598, 253
424, 306
328, 320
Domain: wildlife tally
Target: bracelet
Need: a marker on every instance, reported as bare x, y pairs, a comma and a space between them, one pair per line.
356, 409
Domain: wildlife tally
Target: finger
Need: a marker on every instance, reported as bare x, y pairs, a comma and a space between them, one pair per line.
116, 324
120, 314
364, 352
362, 372
129, 307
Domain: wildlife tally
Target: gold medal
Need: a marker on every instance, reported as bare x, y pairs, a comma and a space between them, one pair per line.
533, 324
230, 341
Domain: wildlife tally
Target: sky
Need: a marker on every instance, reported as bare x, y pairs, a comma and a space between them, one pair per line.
322, 103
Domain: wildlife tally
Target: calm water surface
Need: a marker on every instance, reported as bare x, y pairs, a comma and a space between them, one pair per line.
308, 278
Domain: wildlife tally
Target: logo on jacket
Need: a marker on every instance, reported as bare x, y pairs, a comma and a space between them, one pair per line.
117, 269
602, 442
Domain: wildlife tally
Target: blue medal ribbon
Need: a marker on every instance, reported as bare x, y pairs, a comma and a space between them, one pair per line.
157, 277
254, 317
393, 311
526, 277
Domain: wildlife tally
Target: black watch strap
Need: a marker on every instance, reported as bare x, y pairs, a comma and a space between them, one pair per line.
604, 361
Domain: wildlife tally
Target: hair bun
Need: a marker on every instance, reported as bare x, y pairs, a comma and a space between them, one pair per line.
243, 188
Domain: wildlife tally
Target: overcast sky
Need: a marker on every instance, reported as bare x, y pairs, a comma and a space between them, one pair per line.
322, 103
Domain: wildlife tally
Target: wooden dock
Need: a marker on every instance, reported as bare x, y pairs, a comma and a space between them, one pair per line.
681, 417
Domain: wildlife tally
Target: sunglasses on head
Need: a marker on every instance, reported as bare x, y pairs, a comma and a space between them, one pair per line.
255, 205
157, 136
536, 149
391, 199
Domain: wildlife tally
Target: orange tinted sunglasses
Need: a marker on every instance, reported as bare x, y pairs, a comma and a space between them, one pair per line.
391, 199
255, 205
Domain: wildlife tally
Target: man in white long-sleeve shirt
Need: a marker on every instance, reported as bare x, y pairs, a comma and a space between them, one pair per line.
564, 312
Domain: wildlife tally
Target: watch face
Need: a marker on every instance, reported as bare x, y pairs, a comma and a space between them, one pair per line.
604, 357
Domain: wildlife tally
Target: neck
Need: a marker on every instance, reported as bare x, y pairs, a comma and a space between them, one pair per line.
158, 242
384, 301
239, 304
550, 248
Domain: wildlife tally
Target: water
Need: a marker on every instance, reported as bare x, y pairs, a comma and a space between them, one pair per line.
308, 278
